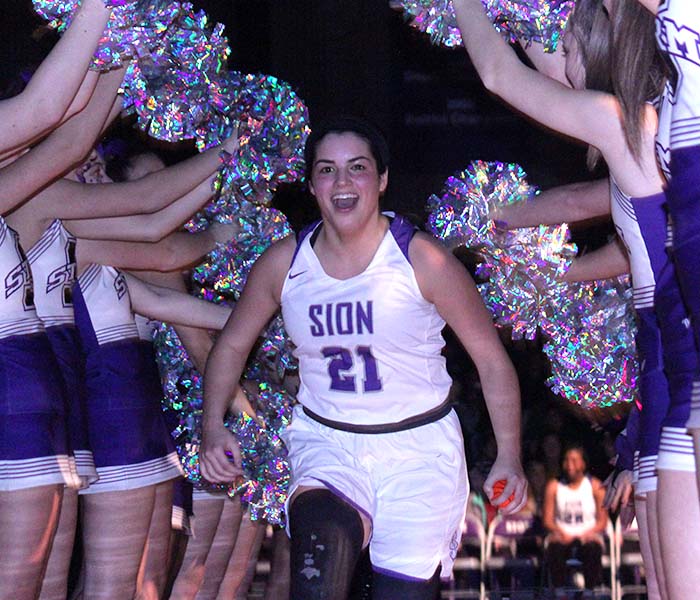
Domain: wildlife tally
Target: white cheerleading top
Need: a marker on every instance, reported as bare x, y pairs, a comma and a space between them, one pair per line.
575, 509
107, 299
678, 36
627, 226
17, 312
369, 347
52, 260
146, 327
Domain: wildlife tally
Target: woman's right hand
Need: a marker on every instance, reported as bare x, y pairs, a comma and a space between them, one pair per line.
219, 455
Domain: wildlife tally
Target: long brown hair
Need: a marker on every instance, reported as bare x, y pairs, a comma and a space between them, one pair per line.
638, 69
590, 26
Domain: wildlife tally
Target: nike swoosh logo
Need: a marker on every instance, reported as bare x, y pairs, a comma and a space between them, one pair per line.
293, 275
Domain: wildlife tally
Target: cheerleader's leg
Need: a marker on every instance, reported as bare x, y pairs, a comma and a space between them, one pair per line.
55, 584
655, 576
115, 530
28, 521
221, 549
241, 567
279, 580
154, 565
679, 528
207, 513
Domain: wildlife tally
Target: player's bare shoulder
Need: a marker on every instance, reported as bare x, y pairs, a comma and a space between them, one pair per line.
433, 264
426, 251
271, 268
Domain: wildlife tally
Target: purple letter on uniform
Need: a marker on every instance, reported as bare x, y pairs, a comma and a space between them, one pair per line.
317, 327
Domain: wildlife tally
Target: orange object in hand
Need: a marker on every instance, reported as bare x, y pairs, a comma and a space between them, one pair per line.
498, 488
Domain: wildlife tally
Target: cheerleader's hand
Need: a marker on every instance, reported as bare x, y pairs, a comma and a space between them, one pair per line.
232, 143
241, 404
618, 489
627, 514
222, 233
219, 455
499, 222
512, 496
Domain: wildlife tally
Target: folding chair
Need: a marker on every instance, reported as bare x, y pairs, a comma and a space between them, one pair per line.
513, 556
608, 559
469, 564
630, 565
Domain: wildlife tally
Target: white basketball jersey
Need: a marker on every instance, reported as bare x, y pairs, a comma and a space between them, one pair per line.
52, 260
627, 226
678, 36
369, 347
575, 510
17, 312
107, 300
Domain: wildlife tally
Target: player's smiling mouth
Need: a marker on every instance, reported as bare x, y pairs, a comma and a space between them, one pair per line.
344, 201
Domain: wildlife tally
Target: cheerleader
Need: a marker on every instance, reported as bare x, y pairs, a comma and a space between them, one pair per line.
622, 130
678, 152
82, 206
216, 561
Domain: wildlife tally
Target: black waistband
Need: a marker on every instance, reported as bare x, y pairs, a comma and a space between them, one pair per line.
434, 414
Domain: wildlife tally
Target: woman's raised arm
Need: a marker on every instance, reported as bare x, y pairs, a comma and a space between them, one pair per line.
562, 204
61, 83
64, 148
589, 116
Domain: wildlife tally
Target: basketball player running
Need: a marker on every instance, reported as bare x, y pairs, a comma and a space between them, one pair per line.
376, 453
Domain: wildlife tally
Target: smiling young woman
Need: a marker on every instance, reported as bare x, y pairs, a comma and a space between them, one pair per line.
373, 440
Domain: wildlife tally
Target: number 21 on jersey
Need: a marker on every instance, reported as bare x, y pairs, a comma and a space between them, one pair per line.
342, 364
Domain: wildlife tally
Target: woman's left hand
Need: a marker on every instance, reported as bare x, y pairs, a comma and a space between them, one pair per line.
618, 489
510, 471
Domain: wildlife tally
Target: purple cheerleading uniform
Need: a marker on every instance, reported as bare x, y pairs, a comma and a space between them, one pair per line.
627, 441
678, 151
34, 448
52, 261
644, 241
666, 348
182, 489
129, 438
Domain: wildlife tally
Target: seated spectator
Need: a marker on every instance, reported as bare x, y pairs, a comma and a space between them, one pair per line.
573, 514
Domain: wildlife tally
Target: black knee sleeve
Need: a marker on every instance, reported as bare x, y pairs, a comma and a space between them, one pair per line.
389, 587
326, 540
